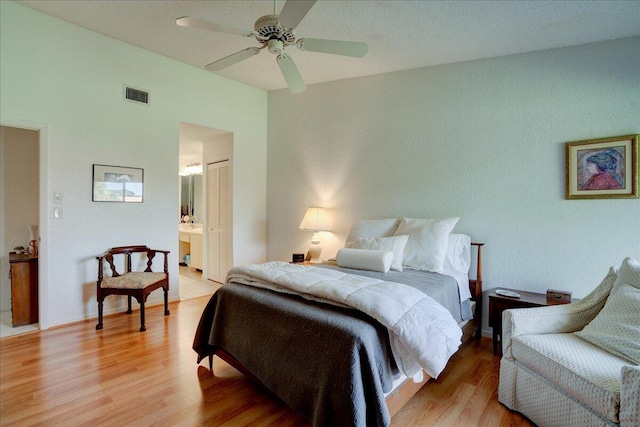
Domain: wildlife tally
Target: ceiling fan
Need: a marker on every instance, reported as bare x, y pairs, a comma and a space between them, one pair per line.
275, 32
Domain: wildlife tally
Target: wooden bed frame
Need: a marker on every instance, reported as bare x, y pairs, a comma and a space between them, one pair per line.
405, 391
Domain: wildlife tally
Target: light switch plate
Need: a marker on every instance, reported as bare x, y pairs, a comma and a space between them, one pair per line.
58, 198
57, 212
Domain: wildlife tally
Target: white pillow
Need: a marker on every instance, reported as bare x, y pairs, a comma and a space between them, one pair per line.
371, 228
428, 241
395, 244
617, 327
629, 273
363, 259
458, 256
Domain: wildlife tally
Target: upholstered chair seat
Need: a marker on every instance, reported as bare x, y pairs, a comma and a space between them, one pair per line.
133, 280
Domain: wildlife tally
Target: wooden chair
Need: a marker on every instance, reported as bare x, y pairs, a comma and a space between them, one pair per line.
131, 283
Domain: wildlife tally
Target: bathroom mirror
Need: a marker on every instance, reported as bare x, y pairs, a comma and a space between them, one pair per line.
191, 196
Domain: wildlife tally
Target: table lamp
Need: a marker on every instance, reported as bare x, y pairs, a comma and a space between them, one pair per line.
315, 220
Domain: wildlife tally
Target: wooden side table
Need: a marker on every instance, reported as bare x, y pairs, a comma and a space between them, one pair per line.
24, 289
500, 303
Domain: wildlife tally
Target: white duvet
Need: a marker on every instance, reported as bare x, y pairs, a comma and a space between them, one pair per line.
423, 334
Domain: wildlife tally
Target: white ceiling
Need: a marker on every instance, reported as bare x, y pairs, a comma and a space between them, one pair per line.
401, 34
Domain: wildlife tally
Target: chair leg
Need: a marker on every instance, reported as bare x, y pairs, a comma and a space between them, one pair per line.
99, 325
129, 311
211, 362
142, 327
166, 301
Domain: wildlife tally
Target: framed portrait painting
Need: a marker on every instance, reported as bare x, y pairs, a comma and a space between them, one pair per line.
117, 184
602, 168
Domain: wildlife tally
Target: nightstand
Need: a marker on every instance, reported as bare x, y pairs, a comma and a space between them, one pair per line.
311, 264
500, 303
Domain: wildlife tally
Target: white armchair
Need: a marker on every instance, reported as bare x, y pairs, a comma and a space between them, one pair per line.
556, 378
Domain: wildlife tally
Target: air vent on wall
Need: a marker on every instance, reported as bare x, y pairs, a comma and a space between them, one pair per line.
136, 95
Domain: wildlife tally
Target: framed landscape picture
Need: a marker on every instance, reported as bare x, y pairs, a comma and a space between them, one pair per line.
602, 168
117, 184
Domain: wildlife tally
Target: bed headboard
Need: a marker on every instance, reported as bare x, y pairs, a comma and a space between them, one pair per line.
475, 286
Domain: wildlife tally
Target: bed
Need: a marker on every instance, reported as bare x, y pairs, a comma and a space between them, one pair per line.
328, 361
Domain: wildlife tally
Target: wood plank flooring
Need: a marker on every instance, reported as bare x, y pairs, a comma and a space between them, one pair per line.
77, 376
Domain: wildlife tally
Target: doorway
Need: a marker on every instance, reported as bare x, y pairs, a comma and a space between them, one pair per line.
198, 146
20, 212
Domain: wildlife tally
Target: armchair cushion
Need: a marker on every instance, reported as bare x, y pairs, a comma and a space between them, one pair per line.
579, 369
617, 327
629, 274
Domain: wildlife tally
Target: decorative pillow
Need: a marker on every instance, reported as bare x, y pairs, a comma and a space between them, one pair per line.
458, 256
364, 259
617, 327
428, 240
629, 274
395, 244
371, 228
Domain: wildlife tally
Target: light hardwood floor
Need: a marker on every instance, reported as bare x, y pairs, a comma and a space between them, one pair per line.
76, 376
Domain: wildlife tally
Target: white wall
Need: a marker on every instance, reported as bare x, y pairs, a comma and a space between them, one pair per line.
19, 187
482, 140
70, 81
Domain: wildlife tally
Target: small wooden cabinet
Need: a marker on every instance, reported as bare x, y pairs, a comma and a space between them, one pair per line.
500, 303
24, 289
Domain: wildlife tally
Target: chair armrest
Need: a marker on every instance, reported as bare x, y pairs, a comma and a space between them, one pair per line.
630, 397
557, 318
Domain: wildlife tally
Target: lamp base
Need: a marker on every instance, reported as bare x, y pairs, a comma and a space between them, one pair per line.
34, 247
314, 252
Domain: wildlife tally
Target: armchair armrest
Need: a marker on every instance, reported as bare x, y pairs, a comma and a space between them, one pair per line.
555, 319
630, 397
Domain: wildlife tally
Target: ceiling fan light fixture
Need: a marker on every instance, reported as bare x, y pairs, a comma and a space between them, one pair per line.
275, 46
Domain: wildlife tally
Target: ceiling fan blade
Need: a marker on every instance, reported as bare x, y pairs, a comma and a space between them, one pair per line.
232, 59
336, 47
291, 74
185, 21
293, 12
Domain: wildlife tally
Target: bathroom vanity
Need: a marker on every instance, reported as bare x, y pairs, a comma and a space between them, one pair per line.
191, 243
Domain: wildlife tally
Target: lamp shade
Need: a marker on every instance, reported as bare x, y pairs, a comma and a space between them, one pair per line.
315, 220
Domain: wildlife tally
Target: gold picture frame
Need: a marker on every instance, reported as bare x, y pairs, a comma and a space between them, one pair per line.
604, 168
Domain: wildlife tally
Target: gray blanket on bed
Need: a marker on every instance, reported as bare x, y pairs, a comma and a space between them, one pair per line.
440, 287
331, 364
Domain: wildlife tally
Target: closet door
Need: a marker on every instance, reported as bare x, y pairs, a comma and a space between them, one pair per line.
219, 220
